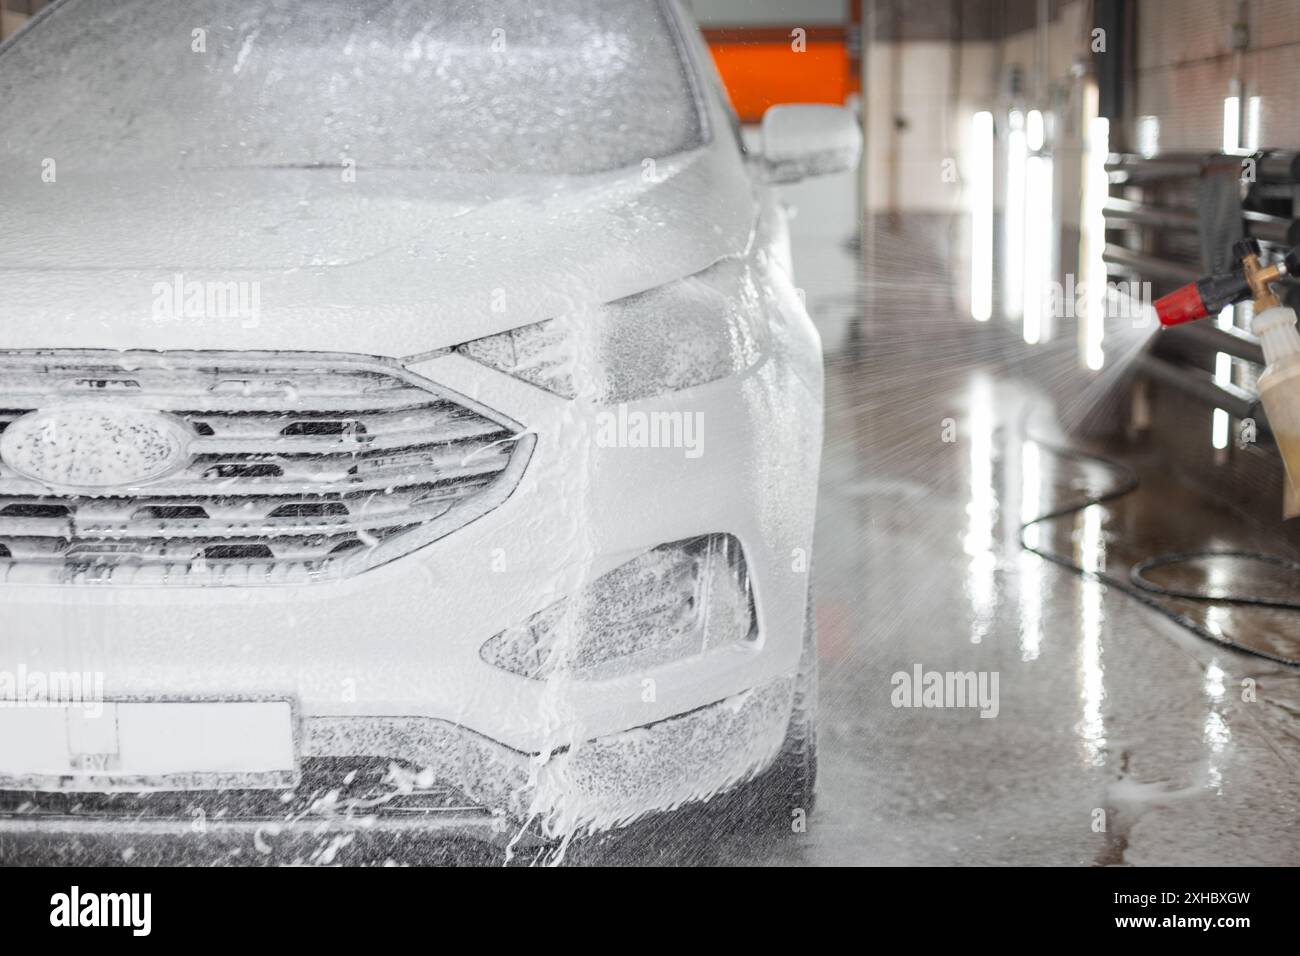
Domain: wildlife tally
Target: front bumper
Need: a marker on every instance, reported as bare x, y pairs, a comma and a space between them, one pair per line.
387, 663
465, 784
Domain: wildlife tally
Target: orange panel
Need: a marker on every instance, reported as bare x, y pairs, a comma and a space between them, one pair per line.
758, 74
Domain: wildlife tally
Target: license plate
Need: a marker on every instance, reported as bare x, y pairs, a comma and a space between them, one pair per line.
148, 745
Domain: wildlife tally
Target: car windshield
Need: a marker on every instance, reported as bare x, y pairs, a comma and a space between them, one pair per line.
476, 86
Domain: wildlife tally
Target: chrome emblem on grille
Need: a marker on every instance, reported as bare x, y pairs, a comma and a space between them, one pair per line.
94, 447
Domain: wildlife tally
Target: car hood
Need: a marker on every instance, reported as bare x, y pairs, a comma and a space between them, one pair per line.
387, 262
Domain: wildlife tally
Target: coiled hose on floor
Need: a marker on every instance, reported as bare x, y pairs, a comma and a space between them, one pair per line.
1141, 588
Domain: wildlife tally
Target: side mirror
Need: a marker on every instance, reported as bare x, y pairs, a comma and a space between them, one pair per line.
802, 140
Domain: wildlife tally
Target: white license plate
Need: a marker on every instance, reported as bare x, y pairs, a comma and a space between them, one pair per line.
147, 745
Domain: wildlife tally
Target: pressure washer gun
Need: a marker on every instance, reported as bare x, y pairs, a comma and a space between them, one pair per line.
1274, 324
1249, 278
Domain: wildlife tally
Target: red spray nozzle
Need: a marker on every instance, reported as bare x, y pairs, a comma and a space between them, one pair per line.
1211, 295
1204, 297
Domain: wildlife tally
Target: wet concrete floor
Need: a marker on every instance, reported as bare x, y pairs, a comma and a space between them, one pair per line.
1191, 751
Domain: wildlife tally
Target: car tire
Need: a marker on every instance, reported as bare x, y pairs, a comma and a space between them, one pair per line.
789, 785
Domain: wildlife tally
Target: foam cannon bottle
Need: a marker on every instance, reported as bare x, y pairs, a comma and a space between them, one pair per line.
1275, 326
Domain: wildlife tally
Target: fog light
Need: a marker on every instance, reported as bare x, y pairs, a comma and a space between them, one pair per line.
676, 601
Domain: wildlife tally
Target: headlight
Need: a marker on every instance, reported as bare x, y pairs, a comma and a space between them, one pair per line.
686, 333
679, 600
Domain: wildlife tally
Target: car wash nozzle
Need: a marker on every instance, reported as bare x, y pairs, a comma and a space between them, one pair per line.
1274, 324
1249, 278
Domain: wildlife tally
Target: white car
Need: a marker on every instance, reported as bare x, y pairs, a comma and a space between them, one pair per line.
408, 413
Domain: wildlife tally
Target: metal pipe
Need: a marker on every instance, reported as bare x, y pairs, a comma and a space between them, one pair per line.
1266, 228
1276, 167
1201, 386
1149, 267
1129, 169
1235, 342
1279, 168
1259, 225
1126, 210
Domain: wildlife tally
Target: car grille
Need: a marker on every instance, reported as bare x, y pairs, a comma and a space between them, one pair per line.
300, 467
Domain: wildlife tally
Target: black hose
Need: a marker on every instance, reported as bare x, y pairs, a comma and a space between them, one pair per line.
1138, 576
1137, 586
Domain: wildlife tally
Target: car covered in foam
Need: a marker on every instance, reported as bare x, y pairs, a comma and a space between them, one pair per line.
408, 415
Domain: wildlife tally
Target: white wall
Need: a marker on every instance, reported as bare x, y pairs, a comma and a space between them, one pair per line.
1186, 69
916, 81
